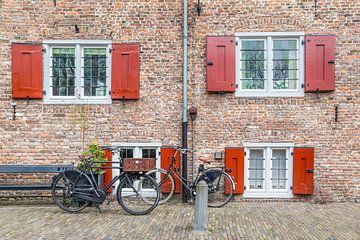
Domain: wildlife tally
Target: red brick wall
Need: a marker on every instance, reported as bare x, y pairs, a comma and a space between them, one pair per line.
52, 133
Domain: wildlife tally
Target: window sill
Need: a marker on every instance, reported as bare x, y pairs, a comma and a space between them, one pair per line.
268, 195
273, 94
76, 101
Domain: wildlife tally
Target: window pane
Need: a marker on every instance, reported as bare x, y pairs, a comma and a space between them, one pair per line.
127, 153
256, 169
253, 64
149, 153
278, 169
285, 64
63, 71
95, 71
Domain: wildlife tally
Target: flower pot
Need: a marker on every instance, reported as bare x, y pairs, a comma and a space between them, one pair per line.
99, 178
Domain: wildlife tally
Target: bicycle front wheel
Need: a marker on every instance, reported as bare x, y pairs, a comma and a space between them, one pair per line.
165, 181
138, 194
220, 187
64, 187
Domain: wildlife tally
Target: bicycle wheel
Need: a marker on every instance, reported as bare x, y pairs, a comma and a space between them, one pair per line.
138, 194
63, 188
165, 181
220, 187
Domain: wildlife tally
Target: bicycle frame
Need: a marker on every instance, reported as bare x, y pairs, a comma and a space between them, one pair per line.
185, 182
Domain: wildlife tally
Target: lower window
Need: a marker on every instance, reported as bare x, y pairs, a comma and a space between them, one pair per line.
137, 150
268, 171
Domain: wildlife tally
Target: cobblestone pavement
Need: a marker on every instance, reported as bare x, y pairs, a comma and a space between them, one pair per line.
237, 220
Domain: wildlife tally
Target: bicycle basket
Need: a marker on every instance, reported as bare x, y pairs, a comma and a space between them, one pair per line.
138, 164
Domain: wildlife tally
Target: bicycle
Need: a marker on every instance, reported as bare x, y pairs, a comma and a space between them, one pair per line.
73, 190
220, 184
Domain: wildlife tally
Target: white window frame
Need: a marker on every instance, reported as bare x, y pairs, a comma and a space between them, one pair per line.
137, 147
268, 191
79, 46
269, 91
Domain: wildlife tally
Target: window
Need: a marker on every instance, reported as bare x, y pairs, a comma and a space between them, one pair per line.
268, 170
270, 64
77, 71
137, 150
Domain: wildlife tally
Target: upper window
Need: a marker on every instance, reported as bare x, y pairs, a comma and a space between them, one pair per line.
270, 64
77, 72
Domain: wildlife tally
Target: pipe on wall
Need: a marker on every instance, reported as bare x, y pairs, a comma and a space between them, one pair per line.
184, 104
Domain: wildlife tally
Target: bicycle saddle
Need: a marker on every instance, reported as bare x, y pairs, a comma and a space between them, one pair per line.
205, 160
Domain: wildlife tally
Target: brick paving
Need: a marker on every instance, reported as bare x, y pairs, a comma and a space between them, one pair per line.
238, 220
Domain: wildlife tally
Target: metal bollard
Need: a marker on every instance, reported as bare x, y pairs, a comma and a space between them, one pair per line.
201, 207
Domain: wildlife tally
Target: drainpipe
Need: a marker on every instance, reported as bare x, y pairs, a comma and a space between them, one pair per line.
184, 106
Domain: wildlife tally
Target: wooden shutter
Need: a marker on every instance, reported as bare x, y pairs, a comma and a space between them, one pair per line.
26, 70
108, 171
303, 176
234, 165
125, 76
220, 56
319, 63
166, 156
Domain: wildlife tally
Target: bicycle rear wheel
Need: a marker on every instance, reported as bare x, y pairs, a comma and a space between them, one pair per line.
166, 183
138, 194
63, 188
220, 187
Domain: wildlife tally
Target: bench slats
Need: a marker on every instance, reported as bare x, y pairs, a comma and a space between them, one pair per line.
26, 187
34, 168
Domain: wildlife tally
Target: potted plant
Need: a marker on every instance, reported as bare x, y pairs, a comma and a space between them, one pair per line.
98, 156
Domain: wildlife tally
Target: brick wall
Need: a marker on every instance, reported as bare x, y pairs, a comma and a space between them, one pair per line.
53, 133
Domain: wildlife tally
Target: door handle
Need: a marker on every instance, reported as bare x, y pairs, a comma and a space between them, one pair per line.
310, 170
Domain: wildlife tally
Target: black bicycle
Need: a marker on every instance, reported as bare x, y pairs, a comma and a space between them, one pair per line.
74, 190
220, 184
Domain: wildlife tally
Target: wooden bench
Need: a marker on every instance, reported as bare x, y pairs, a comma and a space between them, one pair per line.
11, 169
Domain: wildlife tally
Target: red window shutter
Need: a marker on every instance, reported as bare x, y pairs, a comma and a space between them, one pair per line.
166, 156
303, 176
26, 70
220, 56
319, 63
108, 171
234, 161
125, 76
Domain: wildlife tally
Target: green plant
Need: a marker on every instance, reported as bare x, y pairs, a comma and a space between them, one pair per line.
98, 156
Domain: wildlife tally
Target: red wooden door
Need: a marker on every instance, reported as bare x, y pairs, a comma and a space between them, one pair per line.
220, 56
319, 63
234, 165
108, 171
166, 156
303, 171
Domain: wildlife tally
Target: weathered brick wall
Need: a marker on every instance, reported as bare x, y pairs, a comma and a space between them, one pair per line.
53, 133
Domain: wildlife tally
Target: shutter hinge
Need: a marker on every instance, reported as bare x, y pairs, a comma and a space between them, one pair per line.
292, 153
44, 50
291, 188
237, 85
110, 92
44, 92
236, 43
244, 153
110, 50
244, 187
302, 42
302, 85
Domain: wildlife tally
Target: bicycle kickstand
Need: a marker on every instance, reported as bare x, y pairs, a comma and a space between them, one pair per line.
98, 209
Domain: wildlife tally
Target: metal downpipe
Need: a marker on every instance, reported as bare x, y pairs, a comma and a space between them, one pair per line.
184, 105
